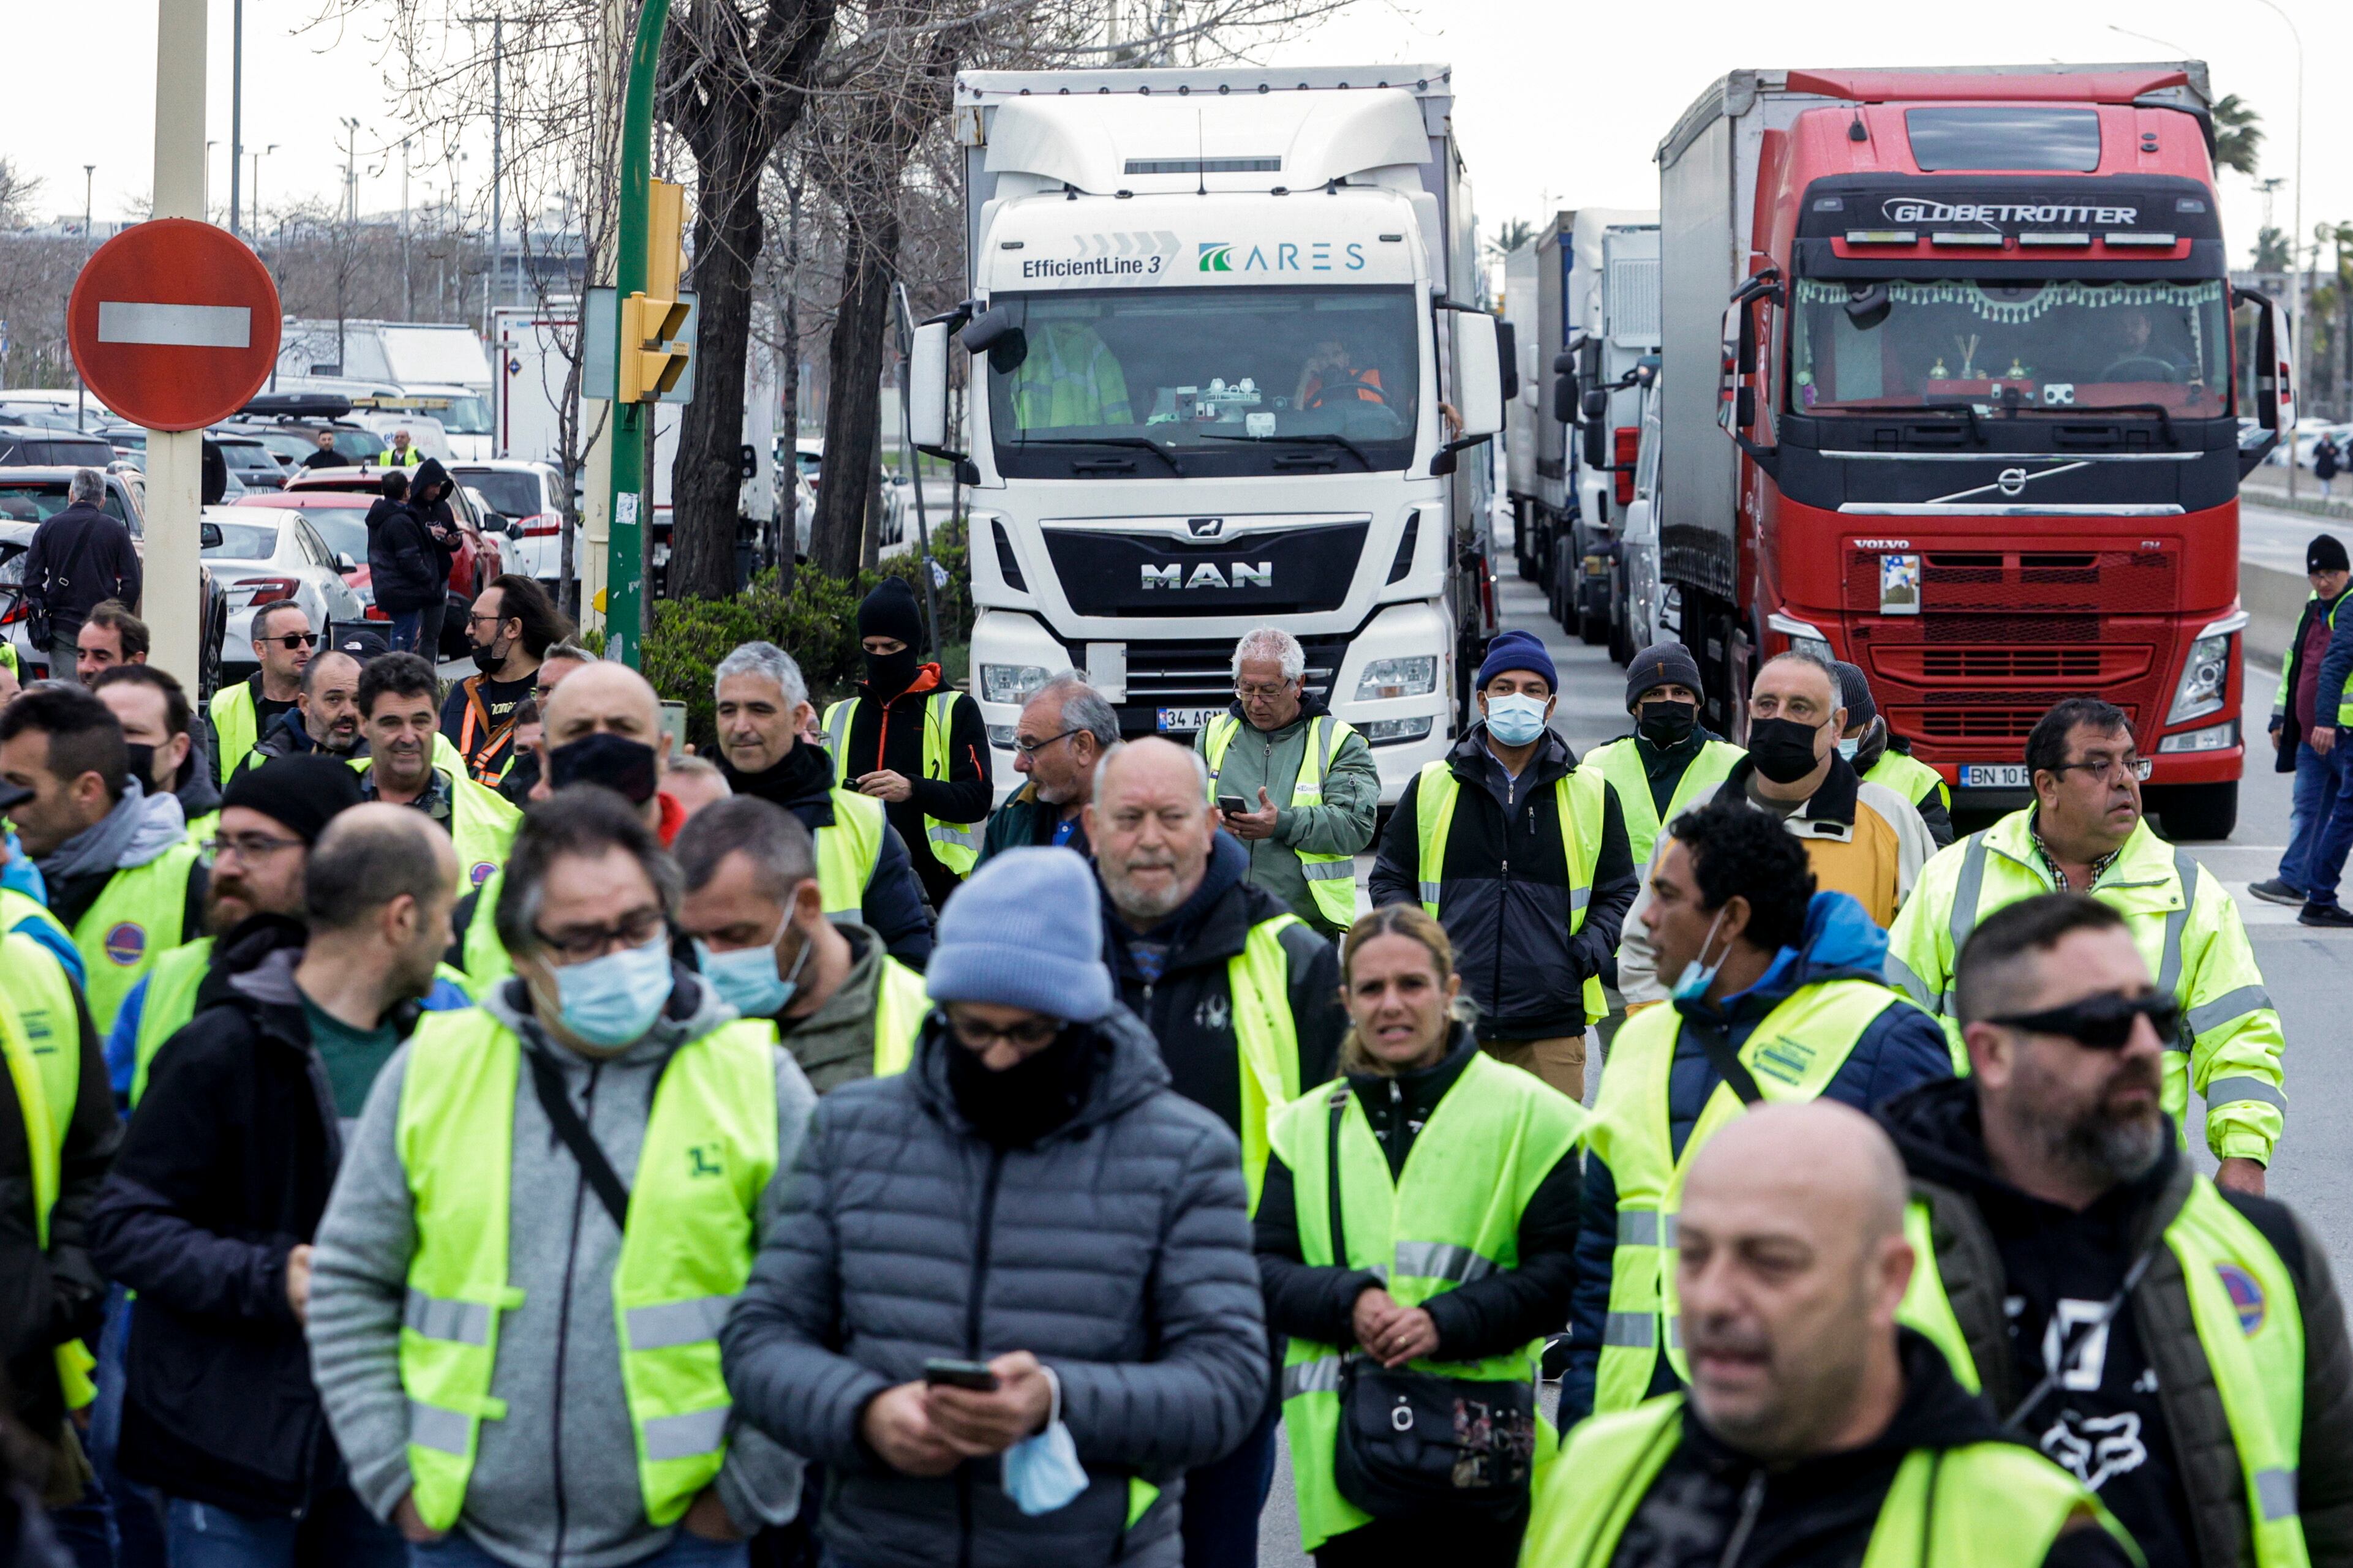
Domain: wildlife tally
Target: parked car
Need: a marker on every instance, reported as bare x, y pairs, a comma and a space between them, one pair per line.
28, 496
263, 555
479, 561
255, 466
530, 498
39, 445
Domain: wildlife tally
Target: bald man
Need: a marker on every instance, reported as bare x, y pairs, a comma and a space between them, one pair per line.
1244, 998
2164, 1375
603, 726
1815, 1432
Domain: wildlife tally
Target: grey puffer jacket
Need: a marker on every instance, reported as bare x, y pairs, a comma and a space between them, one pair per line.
1117, 1251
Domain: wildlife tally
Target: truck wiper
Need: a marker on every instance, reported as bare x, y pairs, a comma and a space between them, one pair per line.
2164, 417
1968, 410
1139, 442
1305, 438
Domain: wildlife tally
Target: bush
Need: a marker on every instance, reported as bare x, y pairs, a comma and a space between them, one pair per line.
815, 621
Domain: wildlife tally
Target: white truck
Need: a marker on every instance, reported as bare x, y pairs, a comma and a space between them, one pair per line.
1224, 324
436, 367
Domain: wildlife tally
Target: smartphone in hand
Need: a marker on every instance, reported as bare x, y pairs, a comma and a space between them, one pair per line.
970, 1375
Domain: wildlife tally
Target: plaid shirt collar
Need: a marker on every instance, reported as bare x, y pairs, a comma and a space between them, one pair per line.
2051, 862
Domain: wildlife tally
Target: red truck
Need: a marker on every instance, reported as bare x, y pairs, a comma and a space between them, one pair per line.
1973, 338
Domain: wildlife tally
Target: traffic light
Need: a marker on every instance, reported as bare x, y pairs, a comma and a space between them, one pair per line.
650, 363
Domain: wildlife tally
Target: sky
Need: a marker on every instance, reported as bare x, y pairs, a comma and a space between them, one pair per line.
1556, 105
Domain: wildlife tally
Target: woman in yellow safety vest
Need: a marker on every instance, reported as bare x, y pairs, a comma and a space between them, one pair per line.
1457, 1200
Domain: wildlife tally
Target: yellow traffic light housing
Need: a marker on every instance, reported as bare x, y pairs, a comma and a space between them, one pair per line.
650, 361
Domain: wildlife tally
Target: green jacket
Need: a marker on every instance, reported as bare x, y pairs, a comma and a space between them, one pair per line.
1342, 825
1024, 821
835, 1044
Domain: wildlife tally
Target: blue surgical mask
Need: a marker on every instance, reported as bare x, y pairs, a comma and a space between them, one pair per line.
1699, 974
746, 979
1847, 748
1042, 1473
612, 1000
1516, 720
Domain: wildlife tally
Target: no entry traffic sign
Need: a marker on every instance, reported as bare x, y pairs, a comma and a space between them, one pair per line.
173, 324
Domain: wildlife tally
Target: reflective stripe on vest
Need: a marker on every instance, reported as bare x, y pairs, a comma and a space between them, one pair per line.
710, 1148
956, 845
1620, 763
236, 725
1580, 795
848, 852
1258, 981
2249, 1325
1984, 1505
40, 1036
1331, 878
489, 762
901, 1005
135, 920
170, 1003
1450, 1216
1794, 1052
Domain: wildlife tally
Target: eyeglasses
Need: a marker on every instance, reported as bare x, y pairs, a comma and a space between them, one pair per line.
2104, 1021
1030, 1033
578, 944
2139, 767
1029, 748
1245, 690
249, 846
293, 640
494, 620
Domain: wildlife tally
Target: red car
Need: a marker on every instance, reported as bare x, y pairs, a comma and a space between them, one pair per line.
339, 511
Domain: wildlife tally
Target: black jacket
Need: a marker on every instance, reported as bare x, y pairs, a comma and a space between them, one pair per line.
1486, 1317
80, 558
1024, 820
1817, 1512
1503, 889
438, 517
46, 1298
894, 905
891, 735
287, 737
1115, 1250
2286, 733
401, 559
1978, 1221
1190, 1008
224, 1170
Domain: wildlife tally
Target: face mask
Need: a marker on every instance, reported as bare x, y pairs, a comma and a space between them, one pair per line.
612, 1000
142, 763
1043, 1473
1699, 974
604, 758
1667, 724
487, 659
746, 979
1516, 719
1782, 749
1015, 1107
1847, 748
892, 672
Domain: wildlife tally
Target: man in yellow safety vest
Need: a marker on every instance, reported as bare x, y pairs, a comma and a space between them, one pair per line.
845, 1008
513, 1341
2179, 1345
406, 765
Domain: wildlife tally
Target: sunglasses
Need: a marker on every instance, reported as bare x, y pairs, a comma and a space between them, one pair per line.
2103, 1023
293, 640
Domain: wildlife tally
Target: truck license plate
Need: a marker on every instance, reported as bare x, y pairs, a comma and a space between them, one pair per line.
1184, 720
1996, 775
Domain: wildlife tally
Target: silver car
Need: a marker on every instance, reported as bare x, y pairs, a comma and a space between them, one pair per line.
268, 554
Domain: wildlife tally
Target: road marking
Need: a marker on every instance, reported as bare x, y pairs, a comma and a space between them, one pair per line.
174, 326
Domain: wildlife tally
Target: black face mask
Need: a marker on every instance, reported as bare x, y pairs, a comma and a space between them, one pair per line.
1782, 749
487, 659
614, 760
1667, 724
142, 764
1018, 1106
891, 673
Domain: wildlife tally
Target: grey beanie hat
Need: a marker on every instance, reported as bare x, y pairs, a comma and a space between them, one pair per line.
1660, 663
1026, 931
1854, 694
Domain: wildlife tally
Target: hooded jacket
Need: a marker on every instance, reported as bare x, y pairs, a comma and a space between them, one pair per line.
1902, 1047
1189, 1005
554, 1484
401, 559
894, 905
1817, 1512
1116, 1249
888, 733
224, 1171
1503, 889
2006, 1257
1272, 760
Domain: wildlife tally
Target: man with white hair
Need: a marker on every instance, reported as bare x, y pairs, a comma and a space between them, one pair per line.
80, 558
1064, 730
1307, 784
862, 867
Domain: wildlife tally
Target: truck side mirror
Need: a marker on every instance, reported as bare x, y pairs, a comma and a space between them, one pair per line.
1564, 397
1727, 392
1595, 403
994, 334
927, 386
2274, 379
1478, 375
1507, 354
1597, 441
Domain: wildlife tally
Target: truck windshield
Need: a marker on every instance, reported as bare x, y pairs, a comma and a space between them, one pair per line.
1232, 380
1857, 346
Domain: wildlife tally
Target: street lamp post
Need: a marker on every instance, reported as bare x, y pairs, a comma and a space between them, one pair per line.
81, 389
235, 103
2296, 236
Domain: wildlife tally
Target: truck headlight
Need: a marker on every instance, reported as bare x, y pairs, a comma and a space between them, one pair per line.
1001, 736
1010, 682
2205, 676
2214, 737
1413, 676
1394, 732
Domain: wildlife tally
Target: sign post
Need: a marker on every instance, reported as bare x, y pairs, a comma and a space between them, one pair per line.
172, 565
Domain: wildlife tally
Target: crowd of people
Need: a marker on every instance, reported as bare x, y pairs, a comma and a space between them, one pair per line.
452, 1127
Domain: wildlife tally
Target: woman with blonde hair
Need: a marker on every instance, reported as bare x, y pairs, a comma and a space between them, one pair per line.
1415, 1239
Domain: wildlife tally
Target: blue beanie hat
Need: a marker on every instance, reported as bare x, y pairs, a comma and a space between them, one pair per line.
1025, 932
1517, 650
